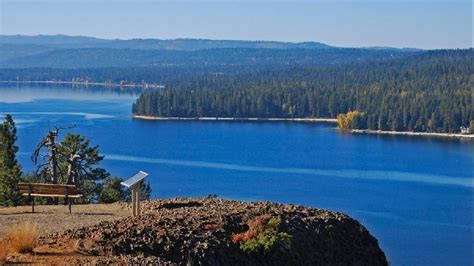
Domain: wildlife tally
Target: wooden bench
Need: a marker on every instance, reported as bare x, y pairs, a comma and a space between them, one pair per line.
31, 190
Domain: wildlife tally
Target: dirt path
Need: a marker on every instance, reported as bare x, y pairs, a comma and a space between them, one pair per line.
52, 219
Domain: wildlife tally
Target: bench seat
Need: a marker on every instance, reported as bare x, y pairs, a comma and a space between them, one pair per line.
52, 195
48, 190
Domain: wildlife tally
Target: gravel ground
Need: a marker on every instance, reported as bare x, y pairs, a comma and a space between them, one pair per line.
196, 231
199, 231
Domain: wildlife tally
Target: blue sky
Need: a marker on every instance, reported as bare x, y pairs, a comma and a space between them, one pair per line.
354, 23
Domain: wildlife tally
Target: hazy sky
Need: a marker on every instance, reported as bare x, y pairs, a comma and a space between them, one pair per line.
396, 23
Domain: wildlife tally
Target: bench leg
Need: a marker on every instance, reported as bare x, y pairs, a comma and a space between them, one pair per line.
32, 205
69, 201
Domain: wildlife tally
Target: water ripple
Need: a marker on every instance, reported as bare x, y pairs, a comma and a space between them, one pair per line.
86, 115
346, 173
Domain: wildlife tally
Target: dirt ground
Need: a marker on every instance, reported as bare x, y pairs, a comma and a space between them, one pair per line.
51, 219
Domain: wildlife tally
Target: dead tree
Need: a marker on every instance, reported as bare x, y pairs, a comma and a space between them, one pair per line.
73, 168
51, 159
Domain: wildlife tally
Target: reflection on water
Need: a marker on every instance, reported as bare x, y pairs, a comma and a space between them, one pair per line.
27, 93
85, 115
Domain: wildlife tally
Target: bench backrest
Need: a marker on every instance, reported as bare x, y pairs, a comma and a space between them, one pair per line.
47, 189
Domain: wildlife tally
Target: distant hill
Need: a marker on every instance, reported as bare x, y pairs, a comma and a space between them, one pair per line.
64, 41
113, 57
12, 51
62, 51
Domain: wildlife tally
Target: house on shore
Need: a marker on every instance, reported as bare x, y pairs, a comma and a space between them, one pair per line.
464, 130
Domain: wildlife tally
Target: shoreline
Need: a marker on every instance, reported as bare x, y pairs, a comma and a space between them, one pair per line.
85, 83
273, 119
408, 133
314, 120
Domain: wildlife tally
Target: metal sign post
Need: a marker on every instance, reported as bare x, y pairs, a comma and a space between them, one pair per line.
133, 183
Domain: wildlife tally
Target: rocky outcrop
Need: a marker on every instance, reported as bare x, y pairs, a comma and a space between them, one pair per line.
199, 231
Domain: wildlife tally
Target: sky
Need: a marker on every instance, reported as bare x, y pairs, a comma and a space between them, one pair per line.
428, 24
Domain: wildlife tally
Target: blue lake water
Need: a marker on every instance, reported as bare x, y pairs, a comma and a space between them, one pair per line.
414, 194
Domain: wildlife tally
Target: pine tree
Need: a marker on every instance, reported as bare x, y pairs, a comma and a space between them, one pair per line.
145, 191
83, 171
10, 170
112, 190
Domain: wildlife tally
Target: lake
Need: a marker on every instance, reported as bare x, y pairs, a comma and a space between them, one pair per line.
414, 194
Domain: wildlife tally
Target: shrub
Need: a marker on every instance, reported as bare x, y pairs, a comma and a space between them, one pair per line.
263, 234
22, 237
4, 250
266, 241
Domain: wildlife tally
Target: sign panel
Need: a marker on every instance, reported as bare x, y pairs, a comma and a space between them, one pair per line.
134, 179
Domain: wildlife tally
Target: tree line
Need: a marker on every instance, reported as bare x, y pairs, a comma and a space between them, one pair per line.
75, 162
431, 91
129, 58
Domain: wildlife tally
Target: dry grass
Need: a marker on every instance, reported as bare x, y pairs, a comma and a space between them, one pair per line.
4, 251
22, 237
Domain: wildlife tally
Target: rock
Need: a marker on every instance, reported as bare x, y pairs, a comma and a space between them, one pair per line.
177, 232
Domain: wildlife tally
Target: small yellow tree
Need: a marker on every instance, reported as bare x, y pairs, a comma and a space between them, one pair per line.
344, 121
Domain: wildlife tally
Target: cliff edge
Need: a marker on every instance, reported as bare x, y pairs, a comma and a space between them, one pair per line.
213, 231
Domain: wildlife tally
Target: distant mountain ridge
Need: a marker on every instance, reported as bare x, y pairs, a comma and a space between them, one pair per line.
62, 51
186, 44
113, 57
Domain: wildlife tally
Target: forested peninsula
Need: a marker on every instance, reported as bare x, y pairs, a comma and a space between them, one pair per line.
426, 92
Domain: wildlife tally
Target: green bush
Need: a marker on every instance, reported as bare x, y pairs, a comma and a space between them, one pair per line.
263, 234
266, 241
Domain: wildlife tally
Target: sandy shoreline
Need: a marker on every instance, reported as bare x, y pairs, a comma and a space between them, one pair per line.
145, 85
407, 133
325, 120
